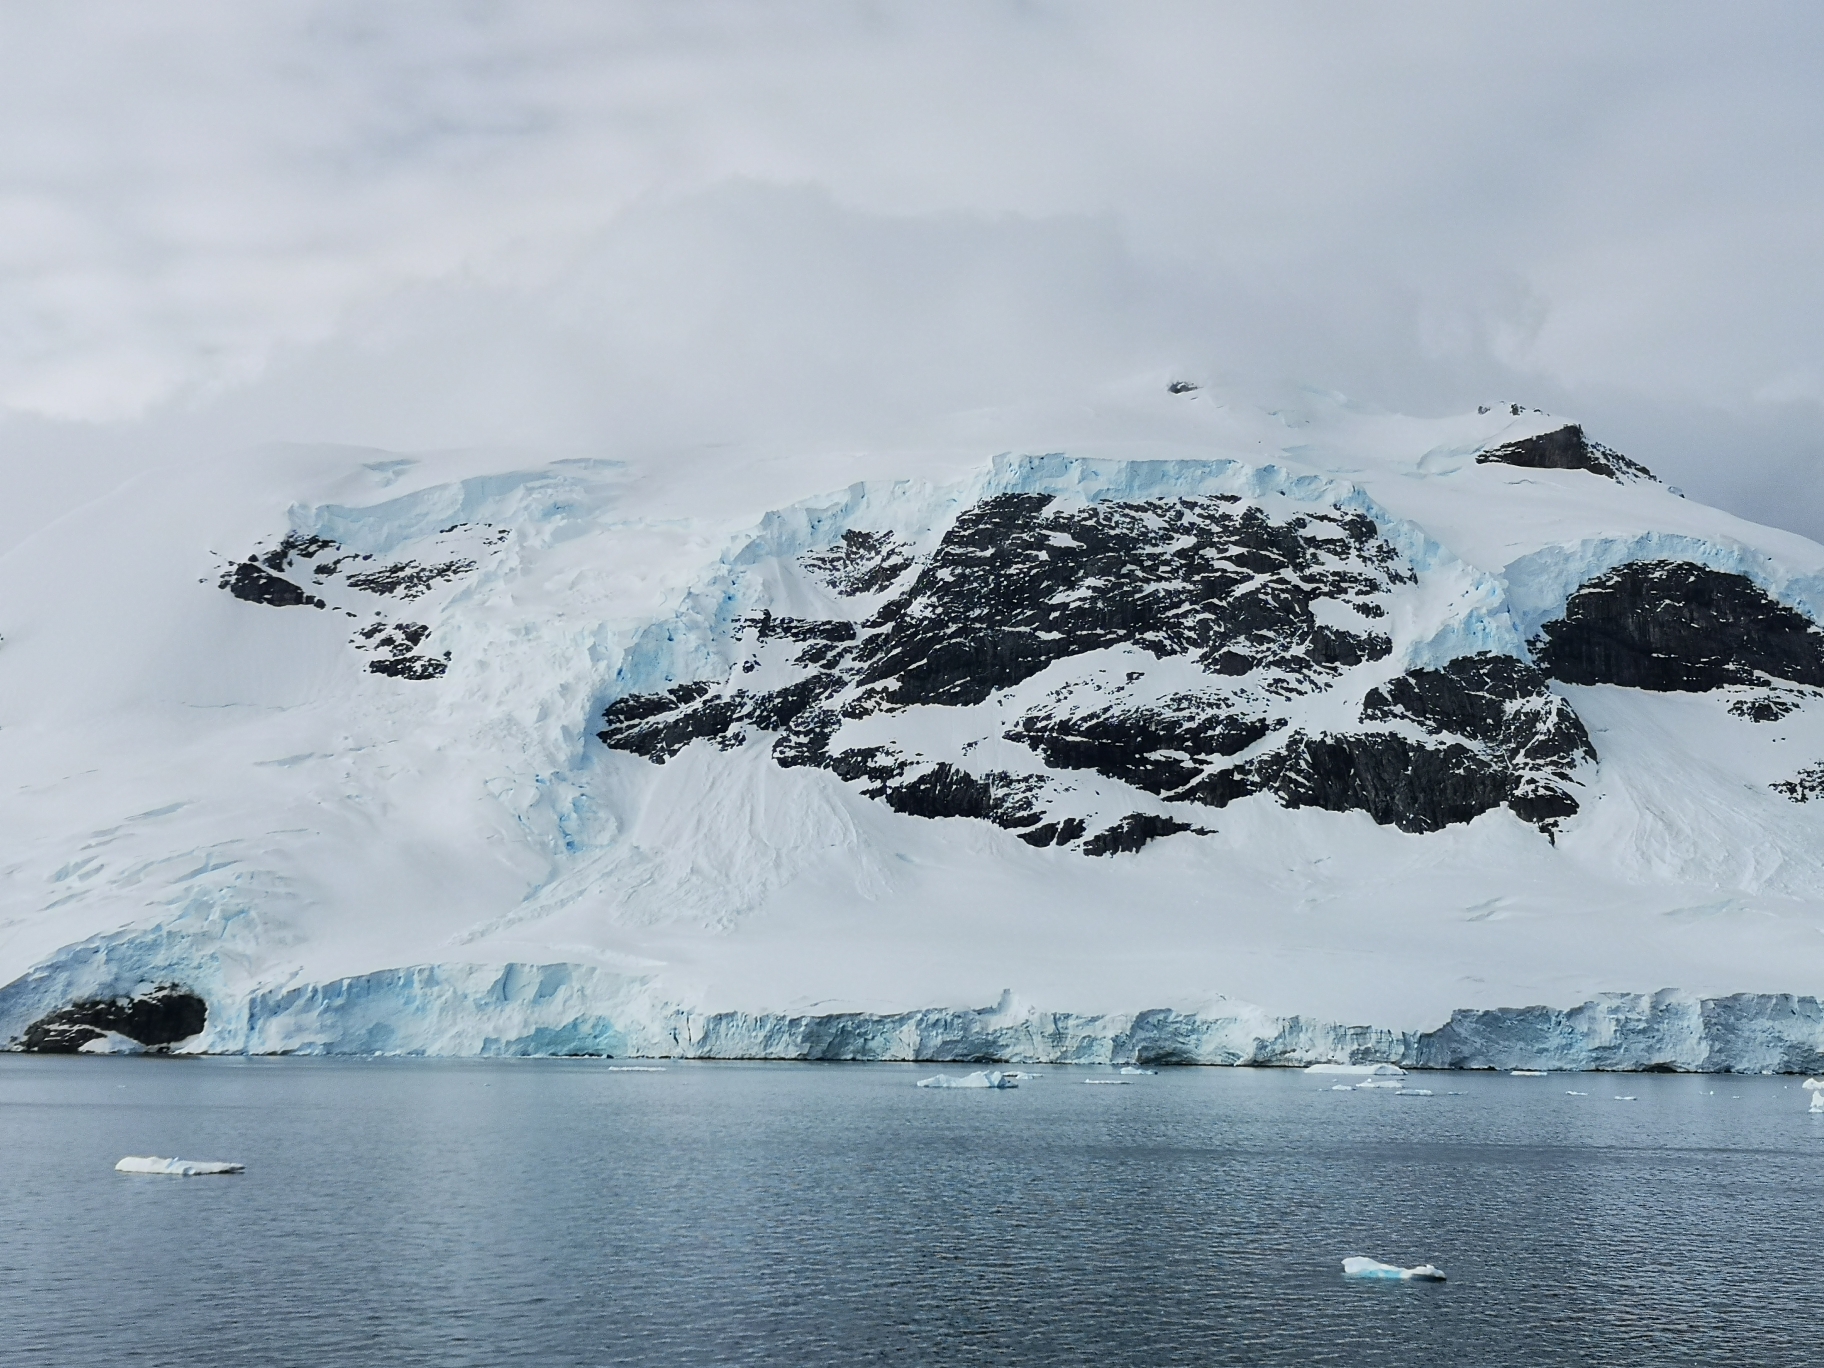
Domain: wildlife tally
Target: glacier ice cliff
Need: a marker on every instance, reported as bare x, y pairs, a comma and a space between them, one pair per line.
570, 1009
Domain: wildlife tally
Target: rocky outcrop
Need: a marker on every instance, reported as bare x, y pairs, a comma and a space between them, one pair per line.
1676, 625
1207, 619
1565, 448
1804, 787
156, 1018
278, 576
253, 583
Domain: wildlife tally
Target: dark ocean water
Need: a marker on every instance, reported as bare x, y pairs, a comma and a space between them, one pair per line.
548, 1212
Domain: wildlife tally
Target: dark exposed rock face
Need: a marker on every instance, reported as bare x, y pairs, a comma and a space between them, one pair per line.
1763, 707
861, 563
1676, 626
271, 578
160, 1017
1012, 589
1804, 787
255, 584
395, 645
1565, 449
1261, 612
409, 579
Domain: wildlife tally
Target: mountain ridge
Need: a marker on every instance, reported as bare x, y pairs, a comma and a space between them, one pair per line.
407, 779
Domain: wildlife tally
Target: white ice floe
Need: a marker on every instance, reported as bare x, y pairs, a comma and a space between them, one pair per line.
182, 1168
993, 1078
1342, 1087
635, 1068
1380, 1083
1359, 1070
1413, 1092
1815, 1086
1111, 1082
1130, 1069
1568, 1093
1374, 1268
1020, 1077
1629, 1098
111, 1042
1526, 1073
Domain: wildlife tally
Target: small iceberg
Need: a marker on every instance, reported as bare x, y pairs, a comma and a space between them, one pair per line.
992, 1078
1569, 1093
1020, 1077
111, 1043
1109, 1082
1526, 1073
1381, 1083
1358, 1070
1374, 1268
1342, 1087
182, 1168
636, 1068
1413, 1092
1815, 1086
1131, 1069
1629, 1098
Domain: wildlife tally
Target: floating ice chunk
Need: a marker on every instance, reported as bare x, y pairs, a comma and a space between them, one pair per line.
636, 1068
1380, 1083
1130, 1069
1526, 1073
1817, 1101
1568, 1093
1374, 1268
1413, 1092
1359, 1070
182, 1168
1815, 1086
111, 1042
1342, 1087
1110, 1082
1020, 1077
981, 1078
1629, 1098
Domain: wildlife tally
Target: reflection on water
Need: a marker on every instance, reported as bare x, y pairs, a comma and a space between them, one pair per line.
556, 1212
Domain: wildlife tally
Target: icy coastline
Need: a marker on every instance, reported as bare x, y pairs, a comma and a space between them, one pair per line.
568, 1009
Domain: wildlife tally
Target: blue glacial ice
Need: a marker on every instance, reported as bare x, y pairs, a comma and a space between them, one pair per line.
1373, 1268
573, 1009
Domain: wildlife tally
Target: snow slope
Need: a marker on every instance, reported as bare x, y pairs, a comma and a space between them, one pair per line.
209, 784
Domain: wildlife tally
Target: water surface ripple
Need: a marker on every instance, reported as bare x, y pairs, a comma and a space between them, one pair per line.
550, 1212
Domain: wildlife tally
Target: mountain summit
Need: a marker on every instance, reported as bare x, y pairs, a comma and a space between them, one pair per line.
1235, 737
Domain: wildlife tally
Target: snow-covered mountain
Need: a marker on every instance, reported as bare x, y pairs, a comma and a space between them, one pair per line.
1211, 735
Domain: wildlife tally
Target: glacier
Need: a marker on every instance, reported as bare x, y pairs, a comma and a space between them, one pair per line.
373, 812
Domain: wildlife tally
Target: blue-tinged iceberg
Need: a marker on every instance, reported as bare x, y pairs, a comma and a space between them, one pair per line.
1372, 1268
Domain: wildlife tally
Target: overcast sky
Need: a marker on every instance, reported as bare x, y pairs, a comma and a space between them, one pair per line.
598, 224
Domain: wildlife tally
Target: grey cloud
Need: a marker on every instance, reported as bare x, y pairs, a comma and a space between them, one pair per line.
431, 226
